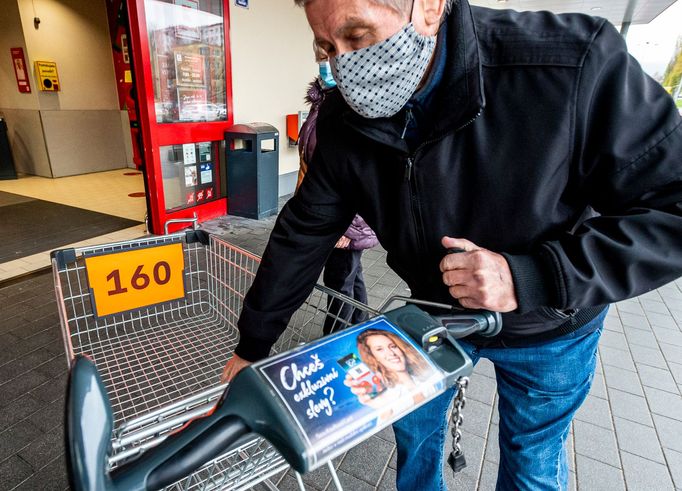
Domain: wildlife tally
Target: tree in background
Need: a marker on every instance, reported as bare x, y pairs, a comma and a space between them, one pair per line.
672, 78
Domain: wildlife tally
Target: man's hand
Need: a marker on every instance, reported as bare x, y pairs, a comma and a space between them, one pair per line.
478, 278
233, 367
342, 243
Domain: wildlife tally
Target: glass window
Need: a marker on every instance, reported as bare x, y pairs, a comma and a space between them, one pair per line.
191, 174
188, 59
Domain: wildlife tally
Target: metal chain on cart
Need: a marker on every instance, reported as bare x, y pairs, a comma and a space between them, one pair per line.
456, 459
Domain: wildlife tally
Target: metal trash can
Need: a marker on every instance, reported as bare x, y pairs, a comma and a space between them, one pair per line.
252, 158
7, 170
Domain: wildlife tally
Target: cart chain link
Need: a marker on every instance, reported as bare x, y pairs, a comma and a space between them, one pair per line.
456, 459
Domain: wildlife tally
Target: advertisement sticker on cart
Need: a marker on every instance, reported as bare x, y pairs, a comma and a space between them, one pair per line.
340, 391
133, 279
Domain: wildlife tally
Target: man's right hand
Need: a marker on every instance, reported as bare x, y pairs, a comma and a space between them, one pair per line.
233, 366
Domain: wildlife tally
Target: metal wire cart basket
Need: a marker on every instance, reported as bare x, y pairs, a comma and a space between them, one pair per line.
158, 317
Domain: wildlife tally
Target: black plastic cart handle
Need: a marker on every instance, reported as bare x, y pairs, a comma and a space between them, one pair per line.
249, 405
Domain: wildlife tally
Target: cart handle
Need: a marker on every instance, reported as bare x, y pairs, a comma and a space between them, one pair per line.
89, 424
462, 322
426, 303
203, 449
89, 419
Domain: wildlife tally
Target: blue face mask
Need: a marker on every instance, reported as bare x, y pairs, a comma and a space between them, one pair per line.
326, 76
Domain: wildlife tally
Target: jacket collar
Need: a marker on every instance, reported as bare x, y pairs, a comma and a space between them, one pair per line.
457, 100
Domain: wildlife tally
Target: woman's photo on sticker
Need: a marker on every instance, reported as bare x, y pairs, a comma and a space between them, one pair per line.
395, 365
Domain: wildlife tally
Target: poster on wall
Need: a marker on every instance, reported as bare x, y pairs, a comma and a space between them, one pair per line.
191, 104
189, 69
190, 176
20, 70
189, 154
206, 173
165, 69
204, 151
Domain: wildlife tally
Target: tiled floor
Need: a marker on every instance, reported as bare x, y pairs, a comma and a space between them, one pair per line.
626, 436
41, 260
104, 192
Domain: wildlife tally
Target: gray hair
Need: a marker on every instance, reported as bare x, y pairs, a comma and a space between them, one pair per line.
399, 5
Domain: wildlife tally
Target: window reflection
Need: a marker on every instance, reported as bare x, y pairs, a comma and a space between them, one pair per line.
188, 59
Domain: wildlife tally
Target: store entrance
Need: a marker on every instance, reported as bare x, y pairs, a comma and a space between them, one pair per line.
73, 186
182, 76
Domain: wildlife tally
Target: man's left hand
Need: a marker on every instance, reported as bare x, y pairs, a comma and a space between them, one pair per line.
477, 277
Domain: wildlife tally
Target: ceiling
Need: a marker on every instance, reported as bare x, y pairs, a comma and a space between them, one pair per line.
616, 11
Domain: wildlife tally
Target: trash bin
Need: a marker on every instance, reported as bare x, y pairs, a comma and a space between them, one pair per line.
7, 170
252, 158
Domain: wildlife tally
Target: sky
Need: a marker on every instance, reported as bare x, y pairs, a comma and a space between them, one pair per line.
653, 44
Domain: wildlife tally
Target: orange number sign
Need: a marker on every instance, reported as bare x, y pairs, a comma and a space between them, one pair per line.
129, 280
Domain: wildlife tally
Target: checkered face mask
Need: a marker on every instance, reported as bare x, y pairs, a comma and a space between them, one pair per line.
377, 81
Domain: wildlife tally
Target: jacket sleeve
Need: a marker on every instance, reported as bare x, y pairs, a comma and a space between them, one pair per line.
303, 236
627, 166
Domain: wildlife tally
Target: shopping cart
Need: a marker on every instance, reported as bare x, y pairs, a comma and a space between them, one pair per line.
158, 318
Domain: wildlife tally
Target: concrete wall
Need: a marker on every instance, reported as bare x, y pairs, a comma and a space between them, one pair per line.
25, 133
75, 35
272, 64
11, 36
21, 111
79, 129
99, 138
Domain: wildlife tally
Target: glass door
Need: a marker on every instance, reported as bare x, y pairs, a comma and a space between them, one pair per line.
186, 104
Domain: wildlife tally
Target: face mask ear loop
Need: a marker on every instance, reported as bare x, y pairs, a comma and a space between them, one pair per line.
412, 10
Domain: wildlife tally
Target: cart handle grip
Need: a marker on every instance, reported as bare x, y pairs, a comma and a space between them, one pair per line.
424, 303
198, 451
89, 423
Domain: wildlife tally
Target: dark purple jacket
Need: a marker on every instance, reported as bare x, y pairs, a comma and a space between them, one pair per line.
360, 235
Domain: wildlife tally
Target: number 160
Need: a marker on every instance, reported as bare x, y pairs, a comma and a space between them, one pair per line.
139, 281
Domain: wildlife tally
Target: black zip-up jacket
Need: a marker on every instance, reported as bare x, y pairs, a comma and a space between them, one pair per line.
548, 144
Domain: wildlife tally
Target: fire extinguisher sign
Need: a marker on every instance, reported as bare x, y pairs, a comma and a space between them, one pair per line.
20, 70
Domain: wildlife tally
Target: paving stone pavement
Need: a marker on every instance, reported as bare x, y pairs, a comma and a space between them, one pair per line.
627, 435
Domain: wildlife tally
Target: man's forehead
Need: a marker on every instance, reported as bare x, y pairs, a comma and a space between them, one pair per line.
334, 16
353, 22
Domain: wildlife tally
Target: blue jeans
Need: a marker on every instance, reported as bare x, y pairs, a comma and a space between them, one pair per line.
540, 388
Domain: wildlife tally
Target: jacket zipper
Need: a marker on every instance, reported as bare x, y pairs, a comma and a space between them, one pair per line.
411, 158
408, 118
409, 165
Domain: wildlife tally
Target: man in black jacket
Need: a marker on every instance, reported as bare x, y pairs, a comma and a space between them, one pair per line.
532, 141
